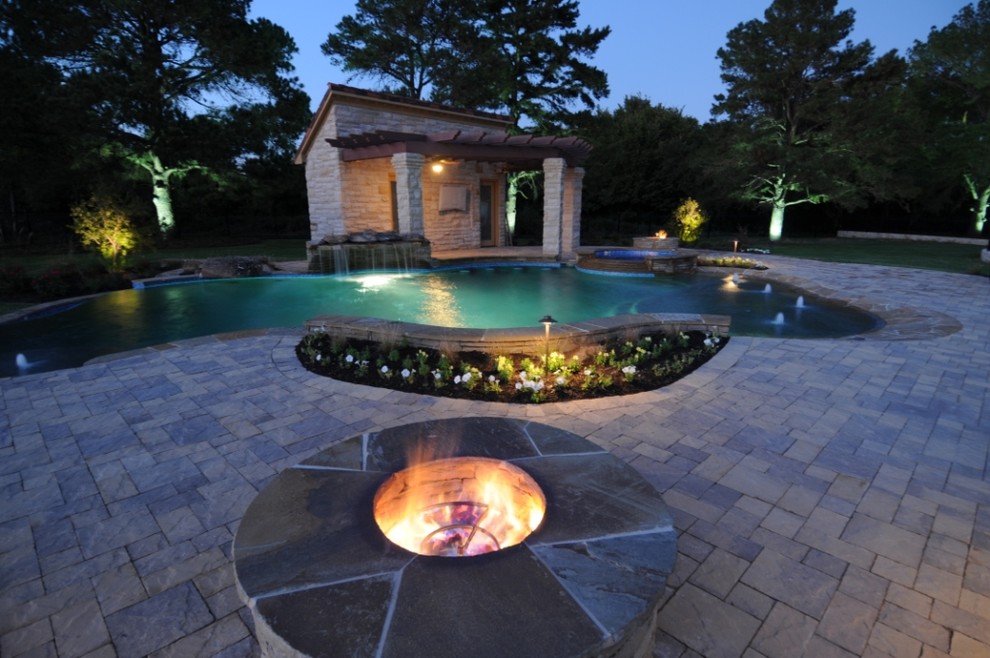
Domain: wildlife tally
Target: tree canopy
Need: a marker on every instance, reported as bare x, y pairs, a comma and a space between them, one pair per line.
950, 75
642, 167
527, 58
161, 80
402, 44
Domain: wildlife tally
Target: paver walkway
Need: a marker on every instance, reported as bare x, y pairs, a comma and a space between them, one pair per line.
832, 496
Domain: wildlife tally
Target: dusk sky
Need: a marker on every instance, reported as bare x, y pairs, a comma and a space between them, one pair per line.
663, 50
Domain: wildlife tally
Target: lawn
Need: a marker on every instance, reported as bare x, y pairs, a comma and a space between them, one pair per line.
942, 256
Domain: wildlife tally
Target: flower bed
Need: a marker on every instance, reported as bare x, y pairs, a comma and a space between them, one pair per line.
616, 368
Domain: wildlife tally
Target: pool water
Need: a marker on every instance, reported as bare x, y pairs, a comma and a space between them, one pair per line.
477, 297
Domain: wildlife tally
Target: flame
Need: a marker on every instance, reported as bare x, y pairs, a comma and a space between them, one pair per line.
459, 506
661, 234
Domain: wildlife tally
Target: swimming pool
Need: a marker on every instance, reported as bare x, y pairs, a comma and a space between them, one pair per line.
475, 297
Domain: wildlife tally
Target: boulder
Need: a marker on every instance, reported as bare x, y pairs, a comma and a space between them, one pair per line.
228, 267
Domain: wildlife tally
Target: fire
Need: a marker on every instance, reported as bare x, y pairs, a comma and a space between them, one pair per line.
459, 507
661, 234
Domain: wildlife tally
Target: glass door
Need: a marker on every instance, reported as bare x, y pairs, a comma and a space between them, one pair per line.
486, 211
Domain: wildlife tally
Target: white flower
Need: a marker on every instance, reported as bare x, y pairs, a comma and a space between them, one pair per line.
708, 342
518, 386
436, 375
560, 381
629, 370
466, 377
457, 379
491, 379
349, 358
384, 369
522, 375
319, 357
587, 372
405, 373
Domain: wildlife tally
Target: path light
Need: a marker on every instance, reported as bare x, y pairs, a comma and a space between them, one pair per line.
547, 320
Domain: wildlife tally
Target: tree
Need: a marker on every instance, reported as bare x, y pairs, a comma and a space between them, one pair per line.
152, 72
527, 58
400, 43
793, 83
950, 73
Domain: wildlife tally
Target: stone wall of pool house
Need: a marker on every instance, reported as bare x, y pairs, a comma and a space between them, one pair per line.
350, 197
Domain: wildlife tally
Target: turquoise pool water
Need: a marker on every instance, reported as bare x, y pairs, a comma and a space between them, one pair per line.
479, 297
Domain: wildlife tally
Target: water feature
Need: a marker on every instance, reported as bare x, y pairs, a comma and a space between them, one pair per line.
768, 289
478, 297
800, 301
370, 251
779, 318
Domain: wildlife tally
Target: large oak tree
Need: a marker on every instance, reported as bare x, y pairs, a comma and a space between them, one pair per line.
796, 87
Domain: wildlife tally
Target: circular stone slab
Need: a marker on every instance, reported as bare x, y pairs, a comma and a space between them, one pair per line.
320, 579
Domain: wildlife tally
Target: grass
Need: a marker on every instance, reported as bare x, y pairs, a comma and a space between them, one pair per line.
941, 256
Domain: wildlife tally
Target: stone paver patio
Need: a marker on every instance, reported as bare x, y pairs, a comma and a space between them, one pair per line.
832, 496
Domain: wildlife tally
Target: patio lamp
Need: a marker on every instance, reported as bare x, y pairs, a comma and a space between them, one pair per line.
547, 320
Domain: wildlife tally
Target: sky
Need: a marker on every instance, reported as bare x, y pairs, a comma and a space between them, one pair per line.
662, 50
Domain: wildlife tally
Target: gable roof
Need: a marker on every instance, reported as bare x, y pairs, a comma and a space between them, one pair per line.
343, 93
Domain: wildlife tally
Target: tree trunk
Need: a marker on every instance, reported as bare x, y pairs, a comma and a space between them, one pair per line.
161, 196
777, 221
980, 211
510, 205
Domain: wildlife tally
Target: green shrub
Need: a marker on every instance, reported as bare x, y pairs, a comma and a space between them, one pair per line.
14, 282
688, 220
60, 281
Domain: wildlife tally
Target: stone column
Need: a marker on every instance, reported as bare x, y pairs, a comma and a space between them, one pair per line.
325, 193
571, 224
553, 205
409, 191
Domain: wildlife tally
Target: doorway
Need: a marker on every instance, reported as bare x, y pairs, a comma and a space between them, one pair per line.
487, 211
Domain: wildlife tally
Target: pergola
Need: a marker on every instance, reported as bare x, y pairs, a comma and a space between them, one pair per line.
518, 152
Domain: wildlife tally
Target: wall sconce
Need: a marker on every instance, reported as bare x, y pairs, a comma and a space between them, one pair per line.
437, 167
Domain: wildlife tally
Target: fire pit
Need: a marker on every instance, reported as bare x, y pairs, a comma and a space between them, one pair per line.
459, 507
487, 575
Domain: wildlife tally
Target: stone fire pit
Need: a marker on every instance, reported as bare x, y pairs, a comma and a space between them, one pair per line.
321, 579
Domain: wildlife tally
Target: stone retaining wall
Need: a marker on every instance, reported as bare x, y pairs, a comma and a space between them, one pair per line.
563, 337
905, 236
